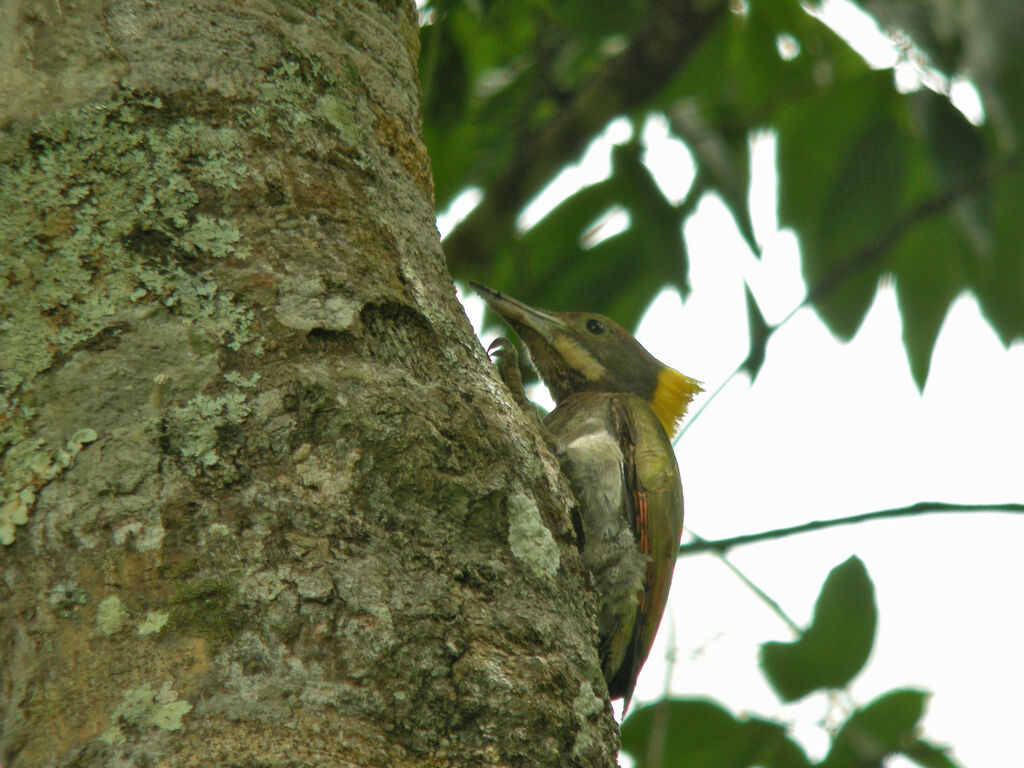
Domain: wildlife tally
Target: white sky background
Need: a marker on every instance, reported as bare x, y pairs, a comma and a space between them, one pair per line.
830, 430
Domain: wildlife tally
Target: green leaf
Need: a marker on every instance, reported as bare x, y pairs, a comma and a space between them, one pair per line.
956, 148
928, 755
443, 67
550, 267
600, 18
1000, 282
836, 645
694, 733
861, 197
841, 166
928, 278
759, 334
886, 725
859, 205
652, 215
546, 244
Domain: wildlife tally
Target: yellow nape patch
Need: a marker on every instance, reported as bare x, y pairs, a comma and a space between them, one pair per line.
672, 397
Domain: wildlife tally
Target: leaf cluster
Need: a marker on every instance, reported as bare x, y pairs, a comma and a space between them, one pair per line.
828, 654
877, 182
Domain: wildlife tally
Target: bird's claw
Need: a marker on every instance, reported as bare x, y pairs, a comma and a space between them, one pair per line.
506, 357
503, 350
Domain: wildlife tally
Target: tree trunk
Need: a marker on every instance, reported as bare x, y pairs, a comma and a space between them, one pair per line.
264, 500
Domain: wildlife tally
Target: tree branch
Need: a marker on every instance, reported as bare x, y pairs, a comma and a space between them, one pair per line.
763, 596
721, 546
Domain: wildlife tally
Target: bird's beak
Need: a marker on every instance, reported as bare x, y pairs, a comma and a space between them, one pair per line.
520, 315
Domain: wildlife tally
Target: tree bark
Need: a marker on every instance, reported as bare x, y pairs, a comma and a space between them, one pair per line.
264, 499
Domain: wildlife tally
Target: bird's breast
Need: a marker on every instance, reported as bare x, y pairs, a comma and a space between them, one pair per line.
623, 473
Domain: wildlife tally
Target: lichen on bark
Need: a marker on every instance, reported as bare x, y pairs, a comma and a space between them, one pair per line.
286, 527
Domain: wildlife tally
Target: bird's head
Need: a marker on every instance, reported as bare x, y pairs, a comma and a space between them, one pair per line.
578, 351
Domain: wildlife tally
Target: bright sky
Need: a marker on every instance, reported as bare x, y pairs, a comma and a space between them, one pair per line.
830, 430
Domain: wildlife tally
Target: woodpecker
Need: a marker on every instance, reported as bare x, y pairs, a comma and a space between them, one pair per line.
617, 409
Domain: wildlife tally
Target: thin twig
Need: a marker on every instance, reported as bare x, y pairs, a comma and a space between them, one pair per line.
920, 508
764, 596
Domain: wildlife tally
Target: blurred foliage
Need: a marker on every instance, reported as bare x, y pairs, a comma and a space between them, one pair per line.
877, 183
694, 733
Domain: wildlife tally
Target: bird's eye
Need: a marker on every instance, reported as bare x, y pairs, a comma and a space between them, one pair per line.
595, 326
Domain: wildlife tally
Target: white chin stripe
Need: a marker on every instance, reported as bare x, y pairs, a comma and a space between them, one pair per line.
579, 358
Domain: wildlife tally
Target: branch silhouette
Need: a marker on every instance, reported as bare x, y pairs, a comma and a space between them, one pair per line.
721, 546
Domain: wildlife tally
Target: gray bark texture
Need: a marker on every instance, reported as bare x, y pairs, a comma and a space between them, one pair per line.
265, 501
